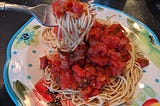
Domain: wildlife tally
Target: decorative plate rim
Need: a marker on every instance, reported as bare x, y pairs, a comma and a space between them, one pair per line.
5, 74
134, 19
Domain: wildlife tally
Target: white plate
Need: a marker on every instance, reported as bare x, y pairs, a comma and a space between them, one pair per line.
23, 53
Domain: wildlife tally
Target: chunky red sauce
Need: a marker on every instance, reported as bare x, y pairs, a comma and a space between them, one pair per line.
73, 7
89, 67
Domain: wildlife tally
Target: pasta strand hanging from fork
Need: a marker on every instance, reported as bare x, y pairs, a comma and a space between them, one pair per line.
74, 20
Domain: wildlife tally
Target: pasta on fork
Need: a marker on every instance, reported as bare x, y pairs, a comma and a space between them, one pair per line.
74, 20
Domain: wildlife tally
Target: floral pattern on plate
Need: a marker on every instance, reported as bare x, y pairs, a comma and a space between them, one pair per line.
27, 37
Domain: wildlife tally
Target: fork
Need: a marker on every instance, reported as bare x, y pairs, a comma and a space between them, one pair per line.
43, 12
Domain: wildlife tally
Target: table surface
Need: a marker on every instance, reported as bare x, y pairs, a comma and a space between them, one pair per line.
10, 22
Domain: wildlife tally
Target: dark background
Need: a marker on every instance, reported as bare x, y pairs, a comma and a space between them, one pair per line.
147, 11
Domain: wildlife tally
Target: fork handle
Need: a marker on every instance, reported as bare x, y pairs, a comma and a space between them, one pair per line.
13, 7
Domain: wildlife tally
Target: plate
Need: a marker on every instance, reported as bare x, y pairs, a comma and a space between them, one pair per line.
22, 68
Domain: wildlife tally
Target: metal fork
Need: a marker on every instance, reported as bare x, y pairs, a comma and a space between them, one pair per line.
43, 12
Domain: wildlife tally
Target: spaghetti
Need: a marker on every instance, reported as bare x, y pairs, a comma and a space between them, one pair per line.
118, 91
101, 70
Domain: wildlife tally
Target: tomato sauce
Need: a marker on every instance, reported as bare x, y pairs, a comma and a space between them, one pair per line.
89, 67
72, 7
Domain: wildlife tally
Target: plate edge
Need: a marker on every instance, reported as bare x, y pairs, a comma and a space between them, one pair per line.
136, 20
5, 72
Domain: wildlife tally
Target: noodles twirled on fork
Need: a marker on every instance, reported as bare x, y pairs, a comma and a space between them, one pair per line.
71, 30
